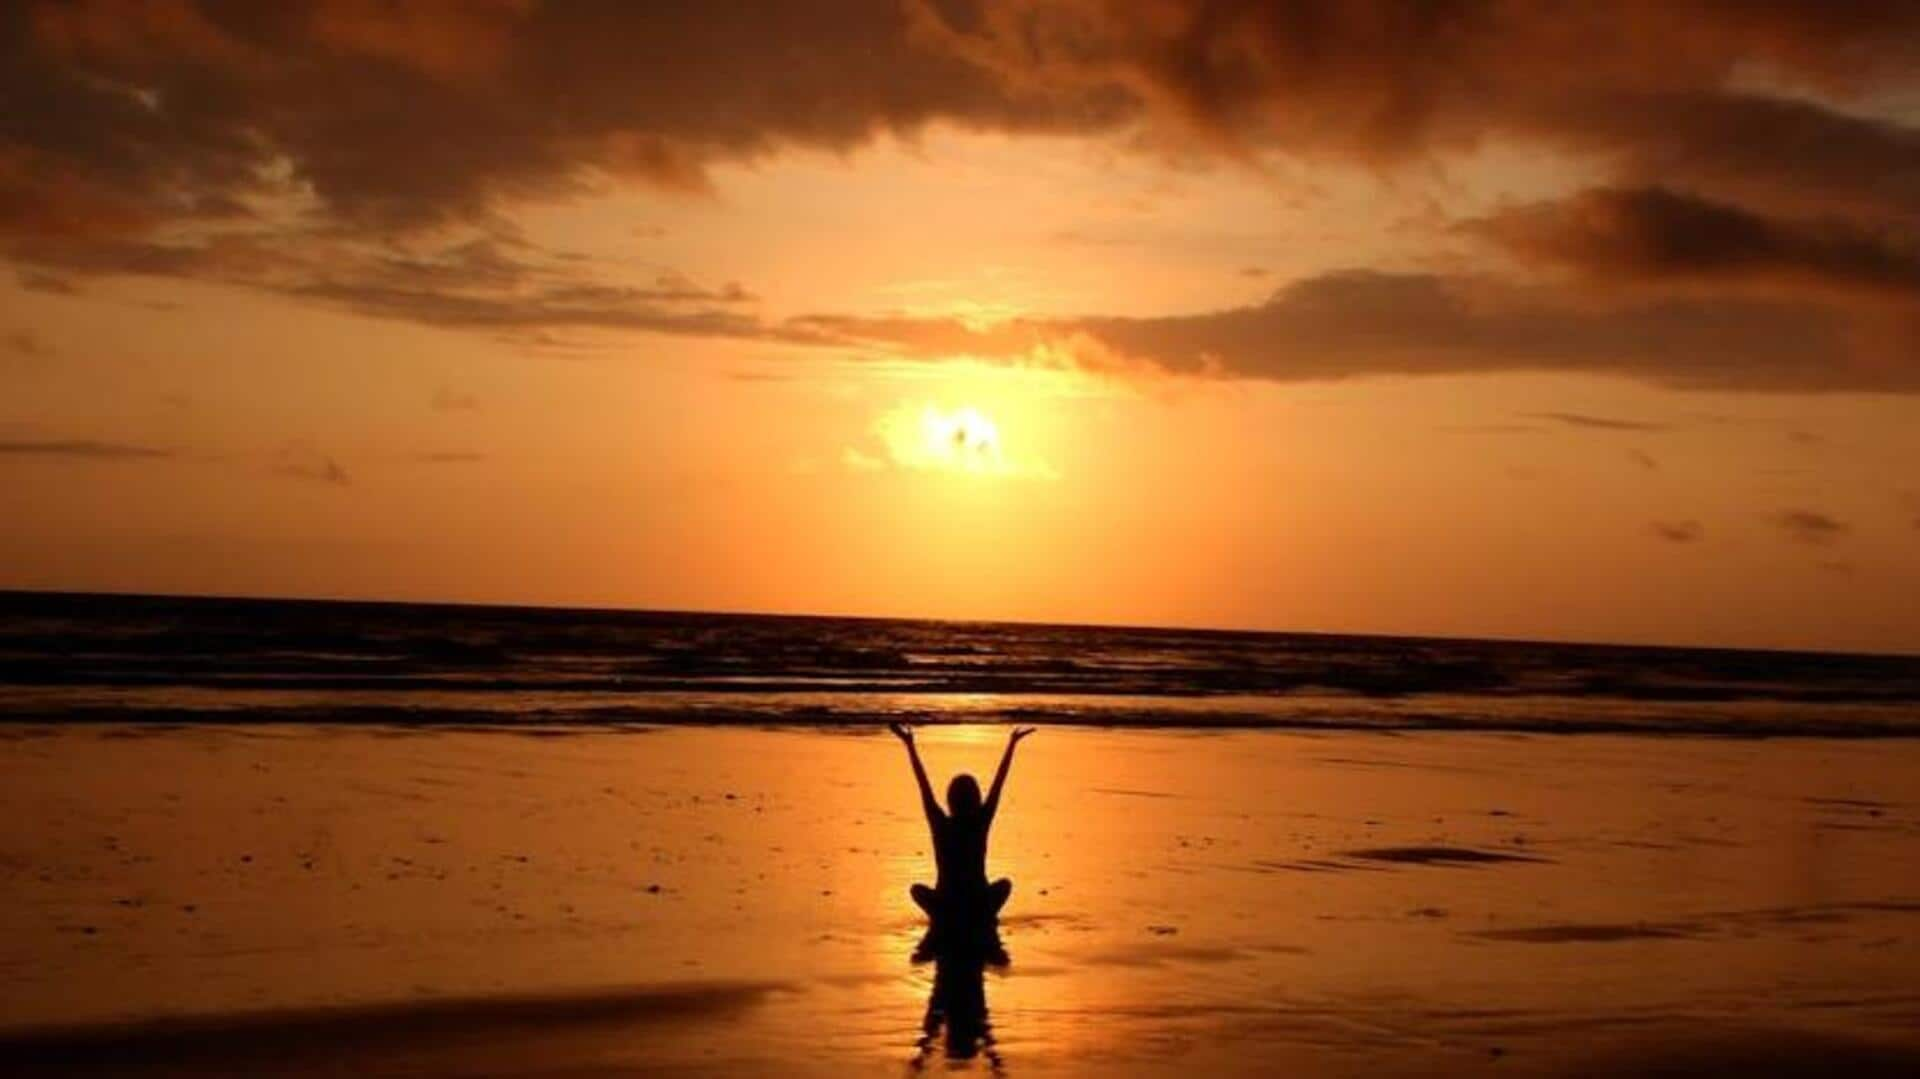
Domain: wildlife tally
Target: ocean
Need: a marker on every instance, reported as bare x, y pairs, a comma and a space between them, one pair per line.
68, 658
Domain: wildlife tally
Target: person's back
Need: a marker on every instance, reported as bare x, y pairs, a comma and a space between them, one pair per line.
959, 852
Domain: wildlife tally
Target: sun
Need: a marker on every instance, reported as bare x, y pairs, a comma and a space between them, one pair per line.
965, 439
962, 440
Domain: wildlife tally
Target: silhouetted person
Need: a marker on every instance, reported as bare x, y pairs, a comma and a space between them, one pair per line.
961, 898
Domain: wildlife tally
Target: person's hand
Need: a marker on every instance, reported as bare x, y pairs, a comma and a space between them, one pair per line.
901, 731
1019, 733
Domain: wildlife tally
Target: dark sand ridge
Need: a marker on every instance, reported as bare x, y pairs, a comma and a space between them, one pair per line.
520, 1035
326, 1039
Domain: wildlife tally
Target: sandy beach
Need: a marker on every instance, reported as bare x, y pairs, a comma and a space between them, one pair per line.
307, 900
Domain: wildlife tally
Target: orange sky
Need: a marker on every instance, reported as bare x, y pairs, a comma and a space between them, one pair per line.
1517, 320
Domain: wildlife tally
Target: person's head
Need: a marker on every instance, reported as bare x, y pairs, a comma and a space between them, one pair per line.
963, 796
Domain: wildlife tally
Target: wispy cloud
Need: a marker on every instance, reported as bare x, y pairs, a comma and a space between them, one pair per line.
1644, 459
1811, 526
312, 466
451, 400
1679, 531
1598, 423
1488, 429
861, 462
466, 281
26, 343
39, 281
450, 457
82, 449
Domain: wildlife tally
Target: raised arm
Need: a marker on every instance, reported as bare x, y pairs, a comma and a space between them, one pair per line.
1000, 777
905, 734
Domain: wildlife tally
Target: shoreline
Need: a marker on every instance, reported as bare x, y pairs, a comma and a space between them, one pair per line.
508, 712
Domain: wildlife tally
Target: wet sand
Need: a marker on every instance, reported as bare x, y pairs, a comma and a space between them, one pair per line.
713, 901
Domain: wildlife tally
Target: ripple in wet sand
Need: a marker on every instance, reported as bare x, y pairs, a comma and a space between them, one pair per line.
1593, 934
1440, 856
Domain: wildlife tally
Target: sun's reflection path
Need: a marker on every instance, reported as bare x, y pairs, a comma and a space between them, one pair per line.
957, 1020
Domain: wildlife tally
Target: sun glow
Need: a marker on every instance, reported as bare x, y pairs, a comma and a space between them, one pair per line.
964, 439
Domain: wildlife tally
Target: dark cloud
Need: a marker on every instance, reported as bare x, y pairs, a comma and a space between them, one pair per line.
81, 449
1791, 154
130, 126
300, 463
1645, 89
1652, 234
1679, 531
1644, 460
1601, 423
125, 115
1811, 527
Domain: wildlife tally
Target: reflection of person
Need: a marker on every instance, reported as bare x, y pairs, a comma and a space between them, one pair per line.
957, 1008
961, 890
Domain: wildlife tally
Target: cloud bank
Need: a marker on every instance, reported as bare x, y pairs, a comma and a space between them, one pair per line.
1756, 227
